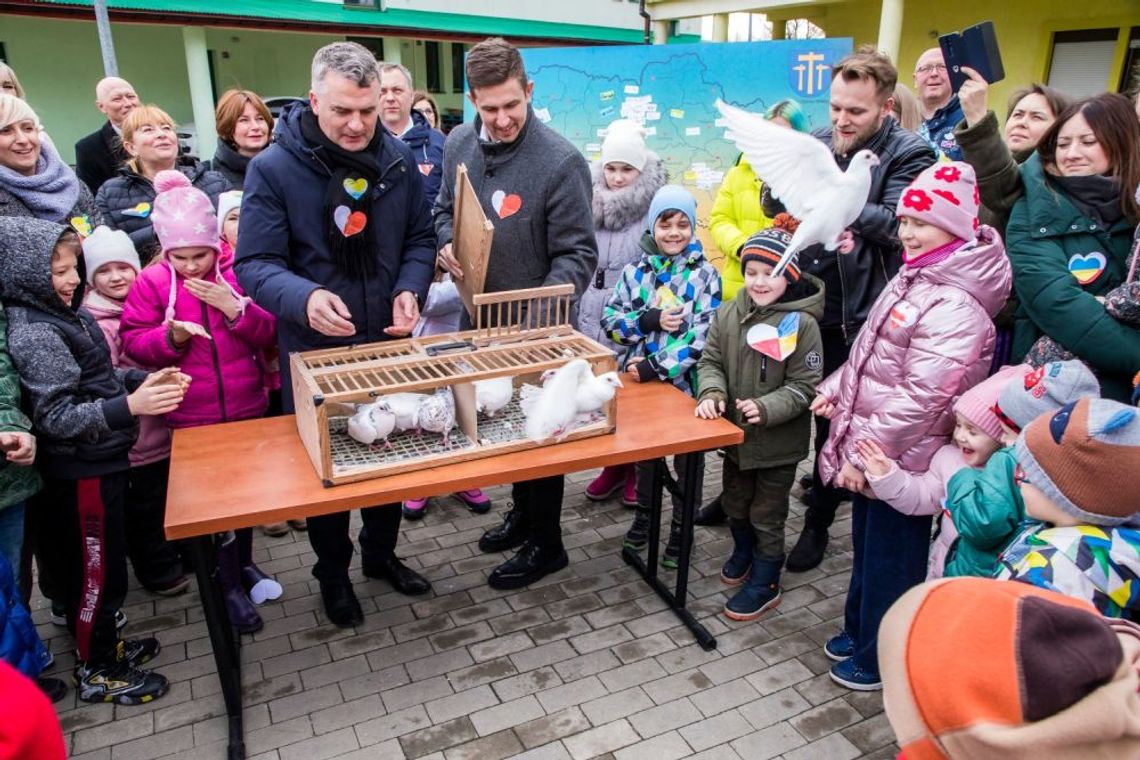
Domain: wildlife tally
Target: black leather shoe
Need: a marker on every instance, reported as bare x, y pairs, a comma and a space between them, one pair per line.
341, 606
403, 578
710, 514
508, 535
808, 551
530, 564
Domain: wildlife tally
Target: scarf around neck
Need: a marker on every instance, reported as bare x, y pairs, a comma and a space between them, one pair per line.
348, 210
50, 194
1096, 196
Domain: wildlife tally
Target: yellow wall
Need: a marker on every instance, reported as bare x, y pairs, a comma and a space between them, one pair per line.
1024, 31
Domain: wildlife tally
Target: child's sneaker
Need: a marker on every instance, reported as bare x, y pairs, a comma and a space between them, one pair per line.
672, 554
415, 509
118, 681
848, 674
172, 587
638, 534
475, 500
839, 647
53, 688
141, 651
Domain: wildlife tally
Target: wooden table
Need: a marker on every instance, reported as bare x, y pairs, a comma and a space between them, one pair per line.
243, 474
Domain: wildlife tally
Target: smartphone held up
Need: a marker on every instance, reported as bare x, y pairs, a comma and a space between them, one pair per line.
975, 47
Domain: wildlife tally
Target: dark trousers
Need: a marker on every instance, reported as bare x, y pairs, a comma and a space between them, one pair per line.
38, 531
541, 504
328, 535
88, 546
759, 498
890, 557
826, 498
645, 479
155, 560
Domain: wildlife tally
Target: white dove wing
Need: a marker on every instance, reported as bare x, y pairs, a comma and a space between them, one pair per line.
797, 167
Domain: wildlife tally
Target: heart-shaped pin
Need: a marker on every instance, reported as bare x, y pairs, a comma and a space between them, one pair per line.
505, 204
356, 188
776, 342
425, 169
903, 314
349, 222
81, 224
1087, 268
141, 210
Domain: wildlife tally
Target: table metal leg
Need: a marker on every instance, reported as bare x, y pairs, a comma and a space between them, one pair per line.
223, 639
648, 568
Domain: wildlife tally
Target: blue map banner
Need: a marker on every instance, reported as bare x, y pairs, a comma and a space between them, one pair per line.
670, 89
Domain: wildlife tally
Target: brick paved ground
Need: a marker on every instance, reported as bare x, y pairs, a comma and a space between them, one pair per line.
588, 663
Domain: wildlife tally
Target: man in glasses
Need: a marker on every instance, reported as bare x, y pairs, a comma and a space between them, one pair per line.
941, 110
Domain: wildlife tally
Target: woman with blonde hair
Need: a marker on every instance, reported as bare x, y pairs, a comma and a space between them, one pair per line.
9, 84
126, 201
245, 128
906, 109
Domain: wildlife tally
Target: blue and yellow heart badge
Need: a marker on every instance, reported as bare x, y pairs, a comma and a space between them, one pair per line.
1087, 268
777, 342
82, 225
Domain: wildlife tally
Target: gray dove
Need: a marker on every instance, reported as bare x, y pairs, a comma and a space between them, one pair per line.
437, 414
802, 173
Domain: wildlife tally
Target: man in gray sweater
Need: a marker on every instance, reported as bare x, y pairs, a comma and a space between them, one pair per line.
535, 188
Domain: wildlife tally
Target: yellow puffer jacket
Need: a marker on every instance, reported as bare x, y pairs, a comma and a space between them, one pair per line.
736, 215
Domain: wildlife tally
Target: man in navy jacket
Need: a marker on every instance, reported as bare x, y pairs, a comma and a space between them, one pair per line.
397, 115
336, 241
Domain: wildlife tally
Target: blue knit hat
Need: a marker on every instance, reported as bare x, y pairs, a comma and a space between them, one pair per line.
672, 198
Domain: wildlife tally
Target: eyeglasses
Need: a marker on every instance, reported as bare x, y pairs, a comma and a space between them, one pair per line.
929, 67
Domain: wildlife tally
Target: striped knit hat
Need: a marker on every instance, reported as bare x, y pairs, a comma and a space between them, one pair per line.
769, 244
1072, 456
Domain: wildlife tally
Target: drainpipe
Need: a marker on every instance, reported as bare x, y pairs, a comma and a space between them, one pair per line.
106, 44
890, 28
201, 92
645, 15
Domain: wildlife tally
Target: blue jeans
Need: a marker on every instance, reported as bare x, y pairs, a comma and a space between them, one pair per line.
890, 557
12, 536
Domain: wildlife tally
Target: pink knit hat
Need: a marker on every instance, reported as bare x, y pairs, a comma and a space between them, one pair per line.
946, 196
977, 404
183, 215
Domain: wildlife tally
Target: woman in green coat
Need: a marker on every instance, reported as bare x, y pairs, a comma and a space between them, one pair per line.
1069, 237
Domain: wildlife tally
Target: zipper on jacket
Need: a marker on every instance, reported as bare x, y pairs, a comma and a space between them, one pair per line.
217, 362
763, 369
842, 298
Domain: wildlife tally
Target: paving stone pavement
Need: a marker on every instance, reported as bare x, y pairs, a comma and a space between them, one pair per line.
587, 663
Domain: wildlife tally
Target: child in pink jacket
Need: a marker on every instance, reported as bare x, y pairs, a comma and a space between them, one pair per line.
928, 338
184, 310
112, 267
977, 435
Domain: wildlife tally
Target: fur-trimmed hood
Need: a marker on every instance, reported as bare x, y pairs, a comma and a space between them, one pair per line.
618, 209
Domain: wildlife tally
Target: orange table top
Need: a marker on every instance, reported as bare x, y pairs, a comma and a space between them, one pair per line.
242, 474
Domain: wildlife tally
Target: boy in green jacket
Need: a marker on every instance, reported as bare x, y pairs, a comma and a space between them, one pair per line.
760, 368
18, 479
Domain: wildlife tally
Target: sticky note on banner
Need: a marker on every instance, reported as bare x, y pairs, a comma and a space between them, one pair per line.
543, 114
690, 176
593, 147
650, 131
632, 89
692, 131
608, 94
677, 113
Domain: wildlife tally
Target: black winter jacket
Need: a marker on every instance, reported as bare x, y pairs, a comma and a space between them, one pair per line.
126, 203
230, 164
77, 399
854, 280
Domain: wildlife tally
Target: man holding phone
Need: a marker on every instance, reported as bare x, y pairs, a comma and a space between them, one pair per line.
941, 110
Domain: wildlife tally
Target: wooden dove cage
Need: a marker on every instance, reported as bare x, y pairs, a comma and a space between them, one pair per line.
519, 334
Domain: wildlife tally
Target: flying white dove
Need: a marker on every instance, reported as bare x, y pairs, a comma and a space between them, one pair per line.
802, 173
437, 414
406, 407
371, 422
492, 395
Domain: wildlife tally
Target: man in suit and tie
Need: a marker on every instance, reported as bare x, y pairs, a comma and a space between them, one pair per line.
99, 155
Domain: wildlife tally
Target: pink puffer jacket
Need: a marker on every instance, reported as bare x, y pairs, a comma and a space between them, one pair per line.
929, 337
227, 381
153, 444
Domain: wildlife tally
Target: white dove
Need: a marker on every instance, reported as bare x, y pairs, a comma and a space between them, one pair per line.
437, 414
802, 173
371, 422
492, 395
550, 412
406, 407
594, 391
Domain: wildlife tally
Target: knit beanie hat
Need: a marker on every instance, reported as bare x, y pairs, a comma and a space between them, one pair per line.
944, 195
977, 404
106, 246
1043, 390
768, 245
183, 215
625, 143
1073, 456
981, 668
672, 198
227, 202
